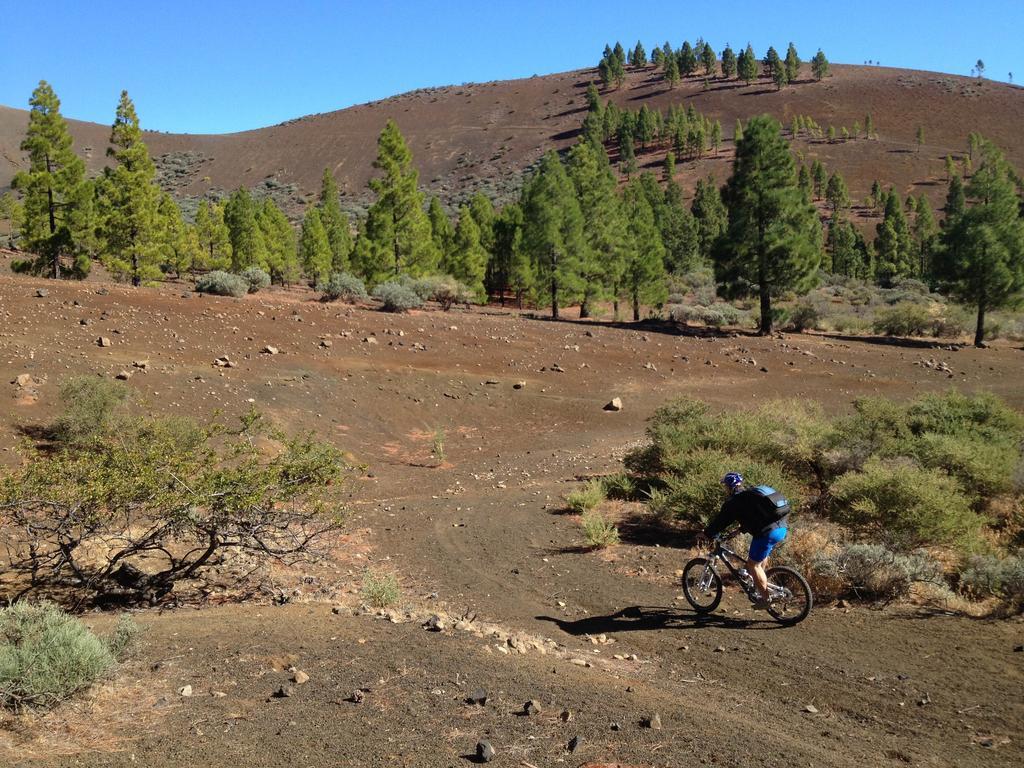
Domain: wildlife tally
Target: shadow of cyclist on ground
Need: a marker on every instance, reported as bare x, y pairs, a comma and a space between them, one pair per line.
639, 618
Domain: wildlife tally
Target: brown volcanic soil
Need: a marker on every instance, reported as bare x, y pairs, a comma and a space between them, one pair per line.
483, 135
483, 534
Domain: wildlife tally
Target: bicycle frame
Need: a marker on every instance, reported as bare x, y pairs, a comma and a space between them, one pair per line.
723, 553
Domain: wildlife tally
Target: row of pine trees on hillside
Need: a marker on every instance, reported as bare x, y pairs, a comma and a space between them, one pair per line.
700, 60
577, 235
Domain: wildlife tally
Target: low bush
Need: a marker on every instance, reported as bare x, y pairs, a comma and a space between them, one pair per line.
46, 656
620, 486
715, 316
903, 319
905, 505
380, 589
990, 576
90, 406
396, 297
598, 531
805, 316
222, 284
586, 498
344, 287
256, 278
874, 571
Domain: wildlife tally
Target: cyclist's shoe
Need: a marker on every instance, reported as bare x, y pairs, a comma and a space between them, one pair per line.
761, 604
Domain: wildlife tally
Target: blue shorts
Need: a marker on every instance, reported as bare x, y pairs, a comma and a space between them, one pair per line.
762, 546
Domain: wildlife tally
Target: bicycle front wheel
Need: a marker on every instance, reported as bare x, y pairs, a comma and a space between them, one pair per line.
791, 595
702, 585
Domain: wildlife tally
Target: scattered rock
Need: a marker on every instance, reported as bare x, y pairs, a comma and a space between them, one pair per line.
478, 697
574, 744
103, 341
484, 751
434, 624
123, 375
284, 692
565, 715
650, 367
653, 722
614, 405
142, 365
326, 343
357, 696
720, 649
1018, 649
764, 369
532, 707
24, 381
185, 690
42, 293
370, 340
270, 350
300, 677
519, 385
616, 727
811, 709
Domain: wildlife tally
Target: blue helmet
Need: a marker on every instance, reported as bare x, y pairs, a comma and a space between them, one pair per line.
732, 479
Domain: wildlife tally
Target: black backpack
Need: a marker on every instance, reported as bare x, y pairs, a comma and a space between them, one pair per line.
772, 505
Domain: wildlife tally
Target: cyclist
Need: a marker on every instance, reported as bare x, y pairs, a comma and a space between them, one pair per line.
748, 508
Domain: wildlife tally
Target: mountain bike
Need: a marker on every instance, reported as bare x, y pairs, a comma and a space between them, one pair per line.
790, 595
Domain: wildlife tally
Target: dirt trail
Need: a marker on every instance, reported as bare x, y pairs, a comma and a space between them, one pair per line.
484, 534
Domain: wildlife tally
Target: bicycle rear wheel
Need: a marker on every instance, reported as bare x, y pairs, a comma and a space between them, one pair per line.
791, 595
702, 585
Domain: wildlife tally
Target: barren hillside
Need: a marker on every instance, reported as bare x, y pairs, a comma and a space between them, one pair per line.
482, 136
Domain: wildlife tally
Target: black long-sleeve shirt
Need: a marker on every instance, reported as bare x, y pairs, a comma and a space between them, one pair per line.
748, 509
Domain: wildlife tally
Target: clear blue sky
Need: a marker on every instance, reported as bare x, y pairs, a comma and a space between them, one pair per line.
218, 66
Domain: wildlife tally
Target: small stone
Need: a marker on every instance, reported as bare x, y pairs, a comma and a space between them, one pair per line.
1018, 649
720, 649
357, 696
42, 293
370, 340
653, 722
484, 751
284, 692
140, 364
479, 697
580, 662
616, 727
811, 709
987, 743
103, 341
270, 350
574, 744
185, 690
123, 375
764, 369
532, 707
300, 677
565, 715
434, 624
614, 405
326, 343
24, 380
519, 385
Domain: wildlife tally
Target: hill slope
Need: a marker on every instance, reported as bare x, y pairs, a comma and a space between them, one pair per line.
482, 136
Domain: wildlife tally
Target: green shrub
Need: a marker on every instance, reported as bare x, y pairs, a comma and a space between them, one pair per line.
715, 316
586, 498
396, 297
599, 532
255, 278
124, 637
222, 284
804, 316
46, 656
903, 319
905, 505
874, 571
343, 286
954, 323
90, 406
848, 323
620, 486
989, 576
380, 590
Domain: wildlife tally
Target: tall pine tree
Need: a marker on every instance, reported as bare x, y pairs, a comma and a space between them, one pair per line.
214, 238
644, 280
335, 223
248, 249
467, 261
773, 240
315, 248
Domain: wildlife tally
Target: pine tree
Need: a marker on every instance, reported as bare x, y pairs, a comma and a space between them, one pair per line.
856, 129
737, 131
876, 195
806, 184
601, 262
836, 193
670, 165
553, 232
467, 261
710, 216
920, 137
314, 247
894, 243
779, 77
831, 134
627, 155
956, 201
728, 63
279, 239
716, 136
672, 72
513, 268
398, 234
335, 223
657, 59
707, 58
773, 239
214, 238
644, 275
820, 177
441, 230
482, 209
925, 236
869, 127
792, 64
129, 201
639, 55
593, 99
248, 248
619, 53
819, 65
982, 261
679, 233
11, 211
748, 68
950, 168
175, 247
687, 59
54, 190
772, 63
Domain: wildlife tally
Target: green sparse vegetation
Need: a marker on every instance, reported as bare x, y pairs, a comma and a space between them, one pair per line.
380, 589
586, 498
598, 532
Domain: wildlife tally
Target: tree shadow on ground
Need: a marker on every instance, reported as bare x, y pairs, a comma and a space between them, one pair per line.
644, 530
667, 327
638, 618
894, 341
